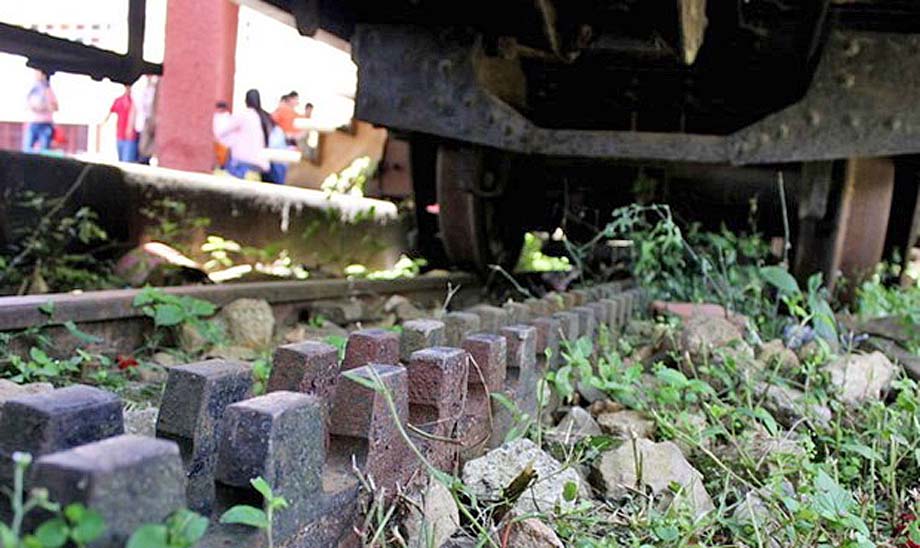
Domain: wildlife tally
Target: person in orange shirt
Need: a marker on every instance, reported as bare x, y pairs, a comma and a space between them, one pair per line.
286, 113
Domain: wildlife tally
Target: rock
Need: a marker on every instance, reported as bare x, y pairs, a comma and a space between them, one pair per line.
403, 308
589, 393
894, 328
530, 533
861, 377
10, 389
304, 332
764, 448
703, 335
339, 312
789, 405
753, 508
808, 351
142, 422
626, 424
237, 353
577, 425
662, 464
908, 360
158, 264
604, 406
250, 322
165, 359
687, 311
152, 373
489, 474
190, 338
775, 354
434, 520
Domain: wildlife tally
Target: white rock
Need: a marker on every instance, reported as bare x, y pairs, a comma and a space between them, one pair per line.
10, 389
250, 322
861, 377
437, 521
532, 533
626, 424
662, 464
575, 426
789, 405
489, 474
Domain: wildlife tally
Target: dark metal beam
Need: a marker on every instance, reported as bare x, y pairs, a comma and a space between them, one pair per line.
52, 54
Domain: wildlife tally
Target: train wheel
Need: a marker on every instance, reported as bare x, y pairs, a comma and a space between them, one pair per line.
478, 223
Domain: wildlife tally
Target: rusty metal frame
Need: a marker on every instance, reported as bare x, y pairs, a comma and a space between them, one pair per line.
864, 100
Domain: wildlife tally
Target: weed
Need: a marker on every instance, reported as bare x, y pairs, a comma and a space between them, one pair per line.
74, 524
183, 529
170, 223
52, 248
169, 311
261, 518
534, 260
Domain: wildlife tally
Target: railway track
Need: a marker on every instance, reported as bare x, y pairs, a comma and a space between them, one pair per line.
424, 391
111, 315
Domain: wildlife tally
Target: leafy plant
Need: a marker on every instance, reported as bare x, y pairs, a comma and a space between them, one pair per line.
170, 223
261, 518
533, 259
51, 248
75, 524
40, 366
183, 529
810, 307
168, 310
261, 371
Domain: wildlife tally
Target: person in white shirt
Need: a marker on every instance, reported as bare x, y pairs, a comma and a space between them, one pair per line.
41, 104
246, 134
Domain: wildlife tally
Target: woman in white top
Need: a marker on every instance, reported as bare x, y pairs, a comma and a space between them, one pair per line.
246, 134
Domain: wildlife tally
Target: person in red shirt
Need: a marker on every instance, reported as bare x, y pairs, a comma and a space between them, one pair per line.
127, 136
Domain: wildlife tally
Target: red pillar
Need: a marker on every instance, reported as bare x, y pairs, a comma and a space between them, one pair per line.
198, 69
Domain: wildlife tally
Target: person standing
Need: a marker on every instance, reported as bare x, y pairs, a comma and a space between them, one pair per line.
127, 136
144, 94
222, 117
246, 133
41, 104
286, 113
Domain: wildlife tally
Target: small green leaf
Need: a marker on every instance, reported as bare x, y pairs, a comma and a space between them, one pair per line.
781, 279
88, 527
198, 307
167, 315
863, 450
666, 533
47, 308
245, 515
188, 526
149, 536
768, 421
7, 538
672, 377
570, 491
74, 512
52, 533
148, 295
262, 487
80, 335
38, 356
